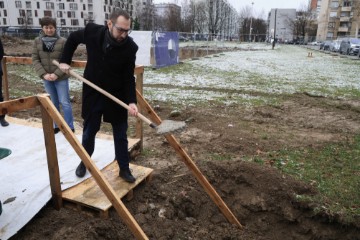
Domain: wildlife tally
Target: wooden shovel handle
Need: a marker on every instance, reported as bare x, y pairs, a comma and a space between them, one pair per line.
112, 97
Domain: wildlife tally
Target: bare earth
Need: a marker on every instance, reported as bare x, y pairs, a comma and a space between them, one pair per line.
175, 206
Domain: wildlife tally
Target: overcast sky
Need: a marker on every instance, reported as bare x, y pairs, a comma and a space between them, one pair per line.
259, 6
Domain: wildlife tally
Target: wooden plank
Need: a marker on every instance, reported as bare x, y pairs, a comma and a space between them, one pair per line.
191, 164
89, 194
18, 104
52, 160
121, 209
139, 123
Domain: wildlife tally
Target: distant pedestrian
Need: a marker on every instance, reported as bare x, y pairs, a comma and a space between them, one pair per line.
48, 47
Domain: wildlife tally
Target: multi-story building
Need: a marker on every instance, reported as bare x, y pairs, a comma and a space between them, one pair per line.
280, 23
338, 18
70, 14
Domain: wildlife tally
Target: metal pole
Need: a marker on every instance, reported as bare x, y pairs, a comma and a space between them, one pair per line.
252, 5
273, 44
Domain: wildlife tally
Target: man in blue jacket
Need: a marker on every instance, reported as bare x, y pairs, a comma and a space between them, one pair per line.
3, 122
111, 55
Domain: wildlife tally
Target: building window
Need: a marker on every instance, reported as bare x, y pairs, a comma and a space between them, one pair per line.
4, 20
28, 13
18, 4
90, 7
37, 5
334, 4
2, 4
59, 14
35, 13
333, 14
28, 4
30, 21
49, 5
329, 35
61, 6
73, 6
74, 22
63, 22
71, 14
21, 13
47, 13
5, 13
21, 21
347, 4
331, 25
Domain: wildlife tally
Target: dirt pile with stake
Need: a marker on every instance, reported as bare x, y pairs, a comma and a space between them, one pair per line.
175, 206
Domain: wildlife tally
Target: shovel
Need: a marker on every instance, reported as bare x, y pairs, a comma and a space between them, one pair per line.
165, 127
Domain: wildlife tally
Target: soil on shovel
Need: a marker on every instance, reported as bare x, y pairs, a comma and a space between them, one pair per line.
174, 205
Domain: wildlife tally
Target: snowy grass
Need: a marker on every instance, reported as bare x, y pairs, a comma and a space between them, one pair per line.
260, 74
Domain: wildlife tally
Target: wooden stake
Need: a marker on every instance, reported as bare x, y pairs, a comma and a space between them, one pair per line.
190, 164
93, 169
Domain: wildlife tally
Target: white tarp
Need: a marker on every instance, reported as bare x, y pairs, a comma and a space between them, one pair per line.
24, 176
143, 40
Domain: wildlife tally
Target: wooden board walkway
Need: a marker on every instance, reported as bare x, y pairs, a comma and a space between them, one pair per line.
88, 196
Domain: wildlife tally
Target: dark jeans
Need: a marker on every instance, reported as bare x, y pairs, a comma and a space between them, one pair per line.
92, 126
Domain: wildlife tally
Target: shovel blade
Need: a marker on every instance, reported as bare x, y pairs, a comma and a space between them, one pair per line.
169, 126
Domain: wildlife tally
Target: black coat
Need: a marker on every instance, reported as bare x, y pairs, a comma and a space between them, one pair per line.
112, 71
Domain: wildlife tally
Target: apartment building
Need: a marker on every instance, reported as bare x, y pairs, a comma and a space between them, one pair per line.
338, 18
70, 14
279, 23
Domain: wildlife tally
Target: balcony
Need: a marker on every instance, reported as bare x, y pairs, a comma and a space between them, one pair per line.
343, 29
344, 19
346, 9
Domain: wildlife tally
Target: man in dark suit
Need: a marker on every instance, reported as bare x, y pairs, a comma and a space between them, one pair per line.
110, 65
3, 122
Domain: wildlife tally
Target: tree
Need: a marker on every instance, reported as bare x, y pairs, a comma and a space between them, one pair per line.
304, 24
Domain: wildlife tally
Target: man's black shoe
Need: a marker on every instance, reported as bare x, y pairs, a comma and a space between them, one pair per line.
126, 175
3, 122
80, 170
56, 130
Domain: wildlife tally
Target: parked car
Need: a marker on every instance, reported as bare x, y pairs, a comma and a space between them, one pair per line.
315, 43
350, 46
335, 45
325, 45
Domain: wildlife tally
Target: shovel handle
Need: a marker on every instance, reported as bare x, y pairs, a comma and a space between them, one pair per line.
112, 97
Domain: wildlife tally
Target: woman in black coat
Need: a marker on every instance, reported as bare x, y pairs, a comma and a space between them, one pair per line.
110, 65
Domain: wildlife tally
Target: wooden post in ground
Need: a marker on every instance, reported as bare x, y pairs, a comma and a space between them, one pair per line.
6, 80
52, 160
190, 164
139, 72
93, 169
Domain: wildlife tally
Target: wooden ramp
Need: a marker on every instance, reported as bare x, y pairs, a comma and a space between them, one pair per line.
88, 196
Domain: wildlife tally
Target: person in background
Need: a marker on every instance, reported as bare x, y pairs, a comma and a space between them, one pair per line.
110, 65
3, 122
48, 47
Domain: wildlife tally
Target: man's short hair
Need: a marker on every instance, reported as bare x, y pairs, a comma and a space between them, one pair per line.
46, 21
117, 13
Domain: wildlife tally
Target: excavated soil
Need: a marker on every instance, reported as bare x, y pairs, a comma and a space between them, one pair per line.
175, 206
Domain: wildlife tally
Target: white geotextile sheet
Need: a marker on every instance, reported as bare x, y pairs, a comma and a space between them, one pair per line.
24, 175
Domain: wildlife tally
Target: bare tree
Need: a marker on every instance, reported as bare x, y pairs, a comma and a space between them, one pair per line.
304, 23
145, 15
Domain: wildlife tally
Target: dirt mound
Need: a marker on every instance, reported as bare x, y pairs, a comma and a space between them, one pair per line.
174, 206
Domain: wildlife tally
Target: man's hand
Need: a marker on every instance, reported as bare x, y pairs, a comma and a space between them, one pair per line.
64, 67
133, 110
